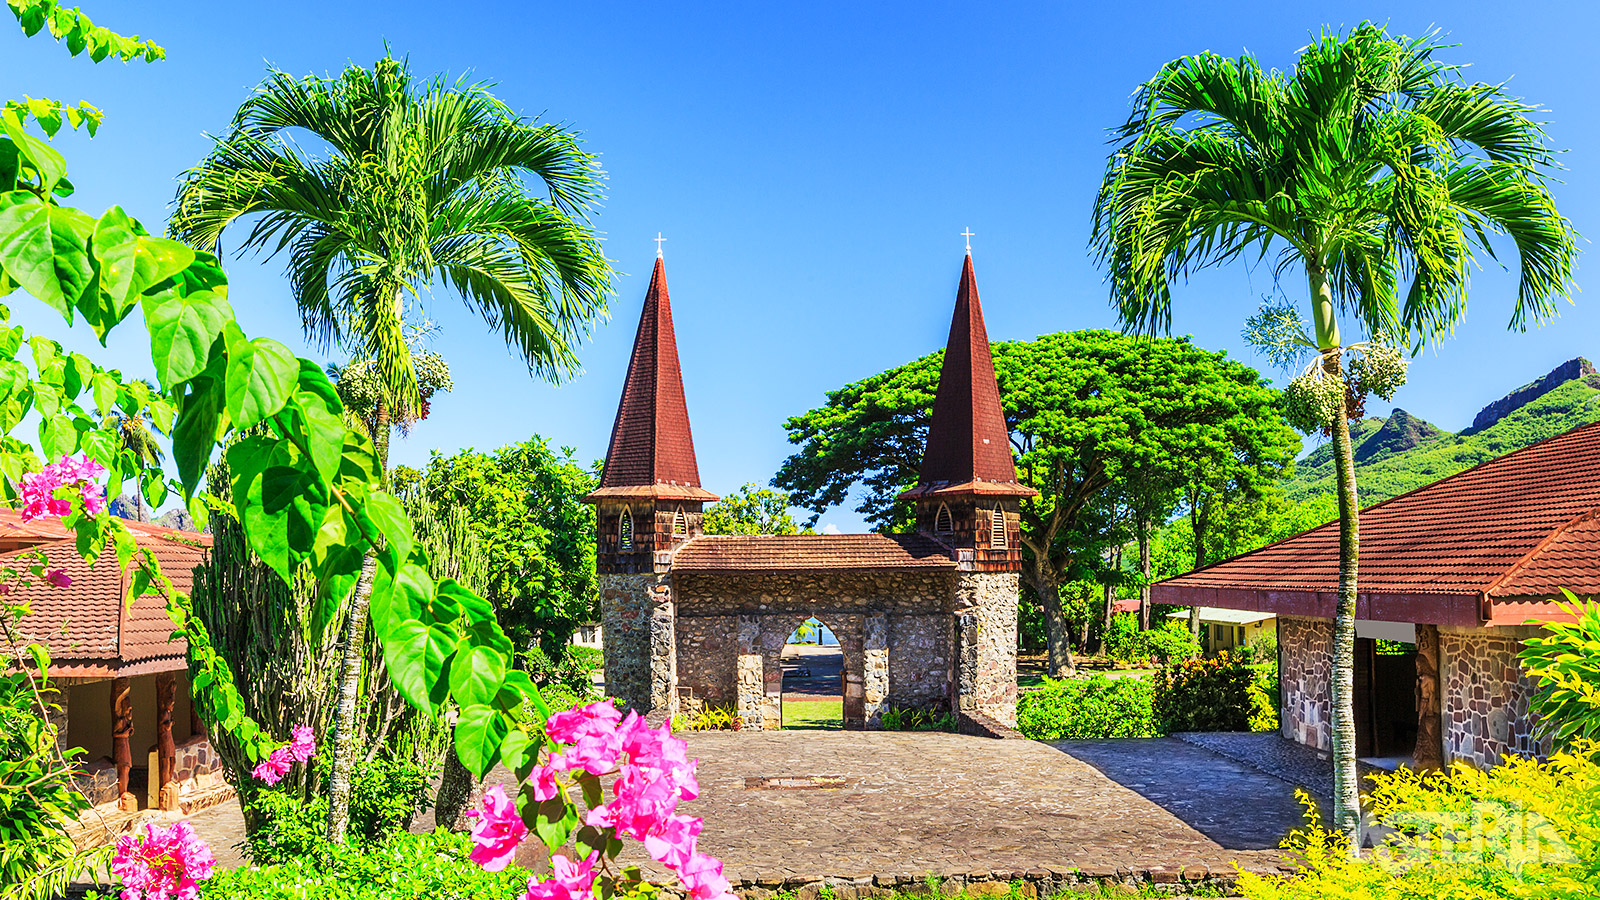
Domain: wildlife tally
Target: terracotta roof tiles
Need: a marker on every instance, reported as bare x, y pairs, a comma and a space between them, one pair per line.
811, 552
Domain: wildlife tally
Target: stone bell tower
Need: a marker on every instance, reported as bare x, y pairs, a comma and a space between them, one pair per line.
967, 497
648, 504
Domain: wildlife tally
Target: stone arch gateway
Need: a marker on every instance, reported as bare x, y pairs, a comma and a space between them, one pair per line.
925, 619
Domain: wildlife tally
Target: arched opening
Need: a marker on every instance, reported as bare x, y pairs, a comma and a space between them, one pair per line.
680, 525
813, 678
625, 530
997, 529
943, 522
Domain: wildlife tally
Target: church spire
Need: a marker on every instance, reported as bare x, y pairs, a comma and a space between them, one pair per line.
652, 450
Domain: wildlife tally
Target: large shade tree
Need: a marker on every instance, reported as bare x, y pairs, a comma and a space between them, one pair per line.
413, 187
1091, 414
1374, 170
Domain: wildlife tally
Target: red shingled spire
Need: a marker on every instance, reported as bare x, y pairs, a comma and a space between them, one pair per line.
968, 443
652, 450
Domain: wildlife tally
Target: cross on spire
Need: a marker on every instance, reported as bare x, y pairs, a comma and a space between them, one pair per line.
658, 239
968, 235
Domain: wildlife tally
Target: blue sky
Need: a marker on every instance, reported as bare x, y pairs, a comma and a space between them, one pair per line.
811, 166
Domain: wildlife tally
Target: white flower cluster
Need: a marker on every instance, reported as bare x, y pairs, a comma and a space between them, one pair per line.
1312, 401
1379, 369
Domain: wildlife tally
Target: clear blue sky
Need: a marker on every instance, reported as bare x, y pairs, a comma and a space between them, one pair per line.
811, 166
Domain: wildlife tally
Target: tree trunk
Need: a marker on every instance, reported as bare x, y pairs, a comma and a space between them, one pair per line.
1057, 631
344, 729
1144, 570
1346, 786
458, 792
1200, 520
1111, 597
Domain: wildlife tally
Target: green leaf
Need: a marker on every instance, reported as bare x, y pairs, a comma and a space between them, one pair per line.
415, 655
476, 675
45, 249
51, 166
336, 578
182, 328
261, 376
554, 822
358, 461
515, 750
324, 417
130, 261
200, 512
104, 389
57, 437
153, 482
479, 733
593, 794
401, 596
385, 513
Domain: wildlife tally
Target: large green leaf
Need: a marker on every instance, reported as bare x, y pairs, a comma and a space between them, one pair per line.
385, 512
476, 675
130, 261
261, 376
402, 596
319, 404
51, 165
183, 326
479, 733
415, 655
46, 249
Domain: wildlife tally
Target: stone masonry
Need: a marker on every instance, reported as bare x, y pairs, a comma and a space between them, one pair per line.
1485, 696
1305, 653
640, 637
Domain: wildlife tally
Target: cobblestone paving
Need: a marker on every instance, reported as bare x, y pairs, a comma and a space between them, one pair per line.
1270, 752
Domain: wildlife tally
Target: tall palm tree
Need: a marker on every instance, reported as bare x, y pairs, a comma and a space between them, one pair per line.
1370, 165
412, 187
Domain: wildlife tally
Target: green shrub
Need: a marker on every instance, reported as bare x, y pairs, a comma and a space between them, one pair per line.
1264, 647
384, 796
912, 718
1566, 663
1097, 707
1524, 829
1122, 638
573, 670
708, 718
1167, 642
406, 867
1206, 694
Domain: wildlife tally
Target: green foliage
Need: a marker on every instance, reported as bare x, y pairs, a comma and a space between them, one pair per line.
384, 796
708, 718
1168, 641
1206, 694
1526, 829
79, 33
1097, 707
1565, 661
524, 503
572, 670
751, 510
915, 718
407, 867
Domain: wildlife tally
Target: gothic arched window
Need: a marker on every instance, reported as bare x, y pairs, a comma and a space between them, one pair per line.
680, 524
997, 530
625, 530
942, 522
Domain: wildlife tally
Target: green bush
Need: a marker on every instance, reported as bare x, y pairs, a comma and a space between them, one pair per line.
1566, 663
573, 671
1167, 642
384, 796
912, 718
406, 867
1206, 694
1097, 707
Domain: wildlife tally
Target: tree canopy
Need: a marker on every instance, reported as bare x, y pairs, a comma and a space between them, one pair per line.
753, 510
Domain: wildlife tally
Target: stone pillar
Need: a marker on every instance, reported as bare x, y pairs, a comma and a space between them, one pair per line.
758, 704
966, 654
1429, 752
988, 651
663, 652
166, 747
874, 669
636, 611
121, 735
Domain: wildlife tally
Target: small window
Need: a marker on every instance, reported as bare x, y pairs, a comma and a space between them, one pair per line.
625, 530
997, 530
680, 524
942, 522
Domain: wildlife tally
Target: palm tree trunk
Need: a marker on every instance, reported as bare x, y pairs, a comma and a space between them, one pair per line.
1346, 786
1144, 570
344, 729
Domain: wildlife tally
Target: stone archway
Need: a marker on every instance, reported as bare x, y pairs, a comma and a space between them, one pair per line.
813, 682
863, 645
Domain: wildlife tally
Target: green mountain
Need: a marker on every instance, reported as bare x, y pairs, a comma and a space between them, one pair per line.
1403, 452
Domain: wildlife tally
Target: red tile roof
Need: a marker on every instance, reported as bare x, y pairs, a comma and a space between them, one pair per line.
1474, 547
651, 444
810, 553
87, 626
967, 438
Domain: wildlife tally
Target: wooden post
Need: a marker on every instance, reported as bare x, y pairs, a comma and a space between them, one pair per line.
121, 733
1429, 752
166, 748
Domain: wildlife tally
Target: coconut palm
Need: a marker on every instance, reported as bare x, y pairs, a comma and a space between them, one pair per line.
413, 187
1377, 171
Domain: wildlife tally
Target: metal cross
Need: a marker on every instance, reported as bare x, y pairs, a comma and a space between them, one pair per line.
968, 235
659, 239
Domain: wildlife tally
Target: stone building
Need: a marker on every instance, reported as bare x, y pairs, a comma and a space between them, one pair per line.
1453, 578
925, 619
122, 681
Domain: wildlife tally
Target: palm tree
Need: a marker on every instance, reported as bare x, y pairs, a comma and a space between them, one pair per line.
1370, 165
417, 187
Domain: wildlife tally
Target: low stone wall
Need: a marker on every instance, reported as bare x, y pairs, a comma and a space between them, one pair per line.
1032, 884
1305, 672
1485, 696
97, 781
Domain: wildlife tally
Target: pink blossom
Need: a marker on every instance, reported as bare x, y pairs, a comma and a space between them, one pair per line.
593, 753
497, 832
702, 878
39, 488
672, 842
660, 752
57, 578
597, 719
640, 804
272, 769
545, 786
302, 746
162, 864
568, 880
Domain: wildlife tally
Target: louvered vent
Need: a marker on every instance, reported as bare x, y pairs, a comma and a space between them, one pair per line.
680, 524
997, 530
625, 530
942, 522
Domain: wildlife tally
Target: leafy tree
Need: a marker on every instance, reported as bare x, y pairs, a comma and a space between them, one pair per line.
423, 185
524, 504
1088, 411
1370, 165
753, 510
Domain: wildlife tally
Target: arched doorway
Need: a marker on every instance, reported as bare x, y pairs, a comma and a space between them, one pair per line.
813, 677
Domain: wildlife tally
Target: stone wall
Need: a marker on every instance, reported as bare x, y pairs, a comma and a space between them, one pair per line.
986, 676
915, 592
708, 652
1485, 696
919, 653
639, 641
1305, 671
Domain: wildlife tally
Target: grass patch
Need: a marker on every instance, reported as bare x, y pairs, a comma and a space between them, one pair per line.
813, 714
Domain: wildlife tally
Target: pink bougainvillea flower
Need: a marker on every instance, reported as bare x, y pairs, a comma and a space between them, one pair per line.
57, 578
497, 832
659, 752
545, 786
702, 878
640, 804
272, 769
593, 753
672, 842
302, 746
597, 719
39, 488
568, 880
162, 864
